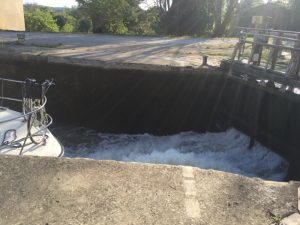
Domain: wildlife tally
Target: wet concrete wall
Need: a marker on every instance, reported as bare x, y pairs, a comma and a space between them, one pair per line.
265, 115
133, 101
12, 15
124, 101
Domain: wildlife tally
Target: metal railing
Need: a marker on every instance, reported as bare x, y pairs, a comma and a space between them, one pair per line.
33, 102
273, 50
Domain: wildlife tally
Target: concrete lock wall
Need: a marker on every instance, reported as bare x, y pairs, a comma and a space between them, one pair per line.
12, 15
161, 103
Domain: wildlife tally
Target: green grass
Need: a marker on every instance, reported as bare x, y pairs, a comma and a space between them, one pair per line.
276, 220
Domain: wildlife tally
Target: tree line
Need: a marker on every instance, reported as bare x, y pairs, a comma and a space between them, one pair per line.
164, 17
46, 19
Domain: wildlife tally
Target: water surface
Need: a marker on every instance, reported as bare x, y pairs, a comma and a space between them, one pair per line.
226, 151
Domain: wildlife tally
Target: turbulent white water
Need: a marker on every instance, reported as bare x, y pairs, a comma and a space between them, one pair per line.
226, 151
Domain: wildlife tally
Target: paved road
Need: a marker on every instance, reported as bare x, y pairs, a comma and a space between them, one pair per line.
180, 52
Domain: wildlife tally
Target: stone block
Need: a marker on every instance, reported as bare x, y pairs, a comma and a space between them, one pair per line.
293, 219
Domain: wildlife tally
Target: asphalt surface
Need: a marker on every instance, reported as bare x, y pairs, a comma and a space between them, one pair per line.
180, 52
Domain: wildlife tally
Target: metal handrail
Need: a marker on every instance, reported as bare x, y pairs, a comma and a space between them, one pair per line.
269, 30
13, 81
272, 45
27, 117
11, 99
274, 36
283, 41
26, 114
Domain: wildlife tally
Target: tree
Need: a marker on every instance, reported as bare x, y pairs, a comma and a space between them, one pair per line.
295, 20
40, 20
109, 15
65, 21
60, 20
188, 17
223, 14
163, 5
144, 22
248, 4
283, 2
84, 25
241, 18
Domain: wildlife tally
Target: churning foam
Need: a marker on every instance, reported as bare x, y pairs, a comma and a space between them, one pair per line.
226, 151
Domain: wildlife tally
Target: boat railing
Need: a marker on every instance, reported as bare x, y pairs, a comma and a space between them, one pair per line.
33, 101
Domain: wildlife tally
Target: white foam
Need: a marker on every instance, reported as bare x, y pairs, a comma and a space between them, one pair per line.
226, 151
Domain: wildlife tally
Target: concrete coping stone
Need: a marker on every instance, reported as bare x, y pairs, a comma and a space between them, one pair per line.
293, 219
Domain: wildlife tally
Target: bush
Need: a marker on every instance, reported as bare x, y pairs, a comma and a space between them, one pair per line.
40, 20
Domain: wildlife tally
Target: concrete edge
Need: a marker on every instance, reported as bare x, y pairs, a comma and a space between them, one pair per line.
4, 54
266, 182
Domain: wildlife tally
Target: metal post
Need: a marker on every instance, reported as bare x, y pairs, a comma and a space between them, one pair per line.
275, 51
294, 64
257, 47
205, 59
21, 38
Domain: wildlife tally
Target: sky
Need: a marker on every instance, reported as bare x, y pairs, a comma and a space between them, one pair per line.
53, 3
62, 3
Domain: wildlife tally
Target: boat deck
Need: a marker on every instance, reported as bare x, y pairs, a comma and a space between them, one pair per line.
51, 148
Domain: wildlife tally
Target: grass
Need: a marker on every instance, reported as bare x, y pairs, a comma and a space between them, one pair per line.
276, 220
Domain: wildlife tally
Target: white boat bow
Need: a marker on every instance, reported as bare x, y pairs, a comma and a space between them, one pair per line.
26, 132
